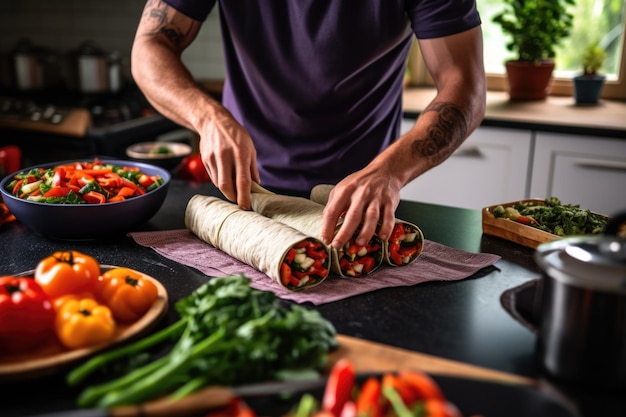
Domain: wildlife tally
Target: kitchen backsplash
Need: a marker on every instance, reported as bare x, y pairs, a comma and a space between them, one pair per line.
64, 24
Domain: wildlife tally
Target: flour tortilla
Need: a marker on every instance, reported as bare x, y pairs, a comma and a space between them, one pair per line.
245, 235
300, 213
320, 194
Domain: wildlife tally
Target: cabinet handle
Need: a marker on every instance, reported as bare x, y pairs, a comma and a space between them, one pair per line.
600, 164
469, 152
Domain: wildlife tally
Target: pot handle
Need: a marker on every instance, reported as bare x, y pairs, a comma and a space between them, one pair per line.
615, 225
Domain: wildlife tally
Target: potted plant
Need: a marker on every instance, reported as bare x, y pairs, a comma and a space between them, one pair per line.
588, 86
535, 27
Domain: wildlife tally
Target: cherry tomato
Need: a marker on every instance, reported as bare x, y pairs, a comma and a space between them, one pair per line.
193, 169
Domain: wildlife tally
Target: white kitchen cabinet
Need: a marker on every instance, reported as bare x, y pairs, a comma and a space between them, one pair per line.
585, 170
491, 167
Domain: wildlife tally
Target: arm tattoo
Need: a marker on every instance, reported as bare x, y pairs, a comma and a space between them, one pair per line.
155, 13
447, 133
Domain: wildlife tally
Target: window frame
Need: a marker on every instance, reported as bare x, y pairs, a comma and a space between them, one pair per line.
614, 89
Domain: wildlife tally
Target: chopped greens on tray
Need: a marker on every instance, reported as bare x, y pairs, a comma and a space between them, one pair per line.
554, 217
82, 183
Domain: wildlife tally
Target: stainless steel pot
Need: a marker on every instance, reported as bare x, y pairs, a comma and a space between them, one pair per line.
581, 334
34, 67
94, 70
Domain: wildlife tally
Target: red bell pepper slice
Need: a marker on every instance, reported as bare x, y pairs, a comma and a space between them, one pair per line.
94, 197
110, 180
58, 179
285, 274
368, 402
404, 390
17, 186
368, 263
145, 180
291, 254
57, 192
527, 220
339, 387
422, 385
316, 251
440, 408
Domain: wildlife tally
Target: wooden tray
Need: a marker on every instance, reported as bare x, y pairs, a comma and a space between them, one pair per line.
53, 357
511, 230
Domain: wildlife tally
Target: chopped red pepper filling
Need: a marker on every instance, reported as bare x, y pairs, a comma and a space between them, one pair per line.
355, 260
304, 264
404, 244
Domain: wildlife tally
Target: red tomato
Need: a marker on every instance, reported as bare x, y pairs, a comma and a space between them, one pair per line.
26, 314
193, 169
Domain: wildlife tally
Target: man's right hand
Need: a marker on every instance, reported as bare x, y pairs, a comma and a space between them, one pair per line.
229, 157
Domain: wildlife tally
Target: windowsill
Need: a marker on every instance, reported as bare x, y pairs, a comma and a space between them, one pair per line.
555, 114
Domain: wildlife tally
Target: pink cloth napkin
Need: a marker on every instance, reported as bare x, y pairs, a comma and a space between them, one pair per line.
436, 263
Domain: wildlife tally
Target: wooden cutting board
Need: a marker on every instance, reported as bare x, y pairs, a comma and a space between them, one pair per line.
376, 357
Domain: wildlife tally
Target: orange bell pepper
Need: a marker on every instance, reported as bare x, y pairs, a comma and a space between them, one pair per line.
69, 272
127, 293
83, 322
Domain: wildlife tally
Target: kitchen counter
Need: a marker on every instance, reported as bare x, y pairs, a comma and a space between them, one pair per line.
555, 114
461, 321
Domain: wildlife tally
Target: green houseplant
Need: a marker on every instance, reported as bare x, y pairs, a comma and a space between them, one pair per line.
535, 28
588, 85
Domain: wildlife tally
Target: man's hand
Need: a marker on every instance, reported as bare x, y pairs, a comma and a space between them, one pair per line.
366, 199
229, 157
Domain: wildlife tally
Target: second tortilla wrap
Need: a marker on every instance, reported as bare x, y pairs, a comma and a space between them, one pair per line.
403, 246
307, 216
250, 237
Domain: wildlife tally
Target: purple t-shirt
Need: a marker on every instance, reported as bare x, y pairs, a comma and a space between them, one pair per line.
318, 83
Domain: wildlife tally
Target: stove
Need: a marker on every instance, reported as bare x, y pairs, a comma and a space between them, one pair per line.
59, 124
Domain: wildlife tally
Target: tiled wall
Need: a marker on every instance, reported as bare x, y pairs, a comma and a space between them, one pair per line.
64, 24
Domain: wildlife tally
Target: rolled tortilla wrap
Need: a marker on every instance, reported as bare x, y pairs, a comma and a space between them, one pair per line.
307, 217
295, 260
402, 248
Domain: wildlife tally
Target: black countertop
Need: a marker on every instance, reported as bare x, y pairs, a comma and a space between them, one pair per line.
462, 320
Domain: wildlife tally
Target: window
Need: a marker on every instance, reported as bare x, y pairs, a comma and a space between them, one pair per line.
600, 21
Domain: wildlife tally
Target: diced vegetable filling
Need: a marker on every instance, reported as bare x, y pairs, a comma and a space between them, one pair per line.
356, 260
304, 264
404, 244
83, 183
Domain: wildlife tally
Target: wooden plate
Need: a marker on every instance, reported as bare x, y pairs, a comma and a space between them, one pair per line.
511, 230
53, 357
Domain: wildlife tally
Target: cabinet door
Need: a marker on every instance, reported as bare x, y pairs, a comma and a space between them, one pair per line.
585, 170
490, 167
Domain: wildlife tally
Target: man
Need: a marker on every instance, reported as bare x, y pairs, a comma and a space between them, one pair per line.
313, 95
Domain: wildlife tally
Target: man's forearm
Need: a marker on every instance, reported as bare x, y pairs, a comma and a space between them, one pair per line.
440, 138
158, 70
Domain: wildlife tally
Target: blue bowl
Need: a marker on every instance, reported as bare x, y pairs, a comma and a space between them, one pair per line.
88, 221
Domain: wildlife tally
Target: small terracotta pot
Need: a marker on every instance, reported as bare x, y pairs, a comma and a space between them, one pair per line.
529, 80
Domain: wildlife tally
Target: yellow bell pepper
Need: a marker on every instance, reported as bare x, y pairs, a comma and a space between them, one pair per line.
83, 322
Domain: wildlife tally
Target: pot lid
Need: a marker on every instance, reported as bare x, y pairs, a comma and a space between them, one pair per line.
594, 262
